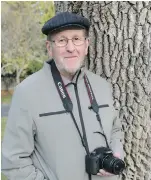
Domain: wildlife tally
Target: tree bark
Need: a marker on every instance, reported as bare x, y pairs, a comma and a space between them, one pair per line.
120, 51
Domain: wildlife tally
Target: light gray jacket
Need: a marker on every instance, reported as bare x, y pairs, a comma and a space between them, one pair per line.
49, 147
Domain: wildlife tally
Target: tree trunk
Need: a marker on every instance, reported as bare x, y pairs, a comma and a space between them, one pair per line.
120, 51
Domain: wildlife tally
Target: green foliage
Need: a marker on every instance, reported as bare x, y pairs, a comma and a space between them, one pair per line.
22, 40
33, 67
47, 10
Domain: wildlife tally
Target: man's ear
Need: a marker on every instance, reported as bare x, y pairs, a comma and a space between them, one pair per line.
49, 48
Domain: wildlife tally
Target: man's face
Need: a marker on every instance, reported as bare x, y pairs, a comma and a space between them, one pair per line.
70, 57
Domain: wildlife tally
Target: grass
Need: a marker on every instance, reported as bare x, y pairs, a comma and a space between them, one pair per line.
3, 177
3, 124
6, 97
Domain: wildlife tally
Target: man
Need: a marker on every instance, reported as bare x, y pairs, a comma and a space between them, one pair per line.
51, 126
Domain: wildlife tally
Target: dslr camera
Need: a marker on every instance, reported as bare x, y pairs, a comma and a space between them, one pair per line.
102, 158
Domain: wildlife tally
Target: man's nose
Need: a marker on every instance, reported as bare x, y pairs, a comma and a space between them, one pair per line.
70, 47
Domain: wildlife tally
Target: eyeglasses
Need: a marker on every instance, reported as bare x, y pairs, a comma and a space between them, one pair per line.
62, 42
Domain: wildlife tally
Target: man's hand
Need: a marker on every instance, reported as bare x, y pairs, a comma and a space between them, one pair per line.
102, 172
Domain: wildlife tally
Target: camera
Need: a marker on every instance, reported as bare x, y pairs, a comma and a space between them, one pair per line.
102, 158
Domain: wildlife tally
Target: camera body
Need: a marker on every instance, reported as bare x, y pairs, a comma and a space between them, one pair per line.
102, 158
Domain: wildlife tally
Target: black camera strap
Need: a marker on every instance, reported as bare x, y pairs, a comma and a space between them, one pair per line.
94, 105
67, 103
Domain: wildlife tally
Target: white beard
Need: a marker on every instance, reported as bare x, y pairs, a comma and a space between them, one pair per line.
64, 66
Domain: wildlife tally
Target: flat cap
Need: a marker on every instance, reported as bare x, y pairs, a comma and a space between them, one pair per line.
63, 20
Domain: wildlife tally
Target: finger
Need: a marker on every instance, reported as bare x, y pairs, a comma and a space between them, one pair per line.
108, 174
104, 173
101, 172
117, 155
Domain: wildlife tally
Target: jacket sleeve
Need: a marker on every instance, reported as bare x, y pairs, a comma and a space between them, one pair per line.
117, 135
18, 142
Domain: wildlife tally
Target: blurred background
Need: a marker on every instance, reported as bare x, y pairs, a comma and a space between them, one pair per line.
22, 45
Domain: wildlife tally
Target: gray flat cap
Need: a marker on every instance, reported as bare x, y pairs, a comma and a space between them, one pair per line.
64, 20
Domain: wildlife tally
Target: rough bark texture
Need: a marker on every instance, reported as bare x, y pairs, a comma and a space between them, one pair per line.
120, 51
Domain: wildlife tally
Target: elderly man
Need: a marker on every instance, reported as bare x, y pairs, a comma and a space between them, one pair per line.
62, 124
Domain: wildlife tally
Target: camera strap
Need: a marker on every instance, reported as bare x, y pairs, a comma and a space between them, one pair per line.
67, 103
94, 105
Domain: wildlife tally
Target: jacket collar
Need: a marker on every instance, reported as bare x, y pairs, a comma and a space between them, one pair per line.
76, 78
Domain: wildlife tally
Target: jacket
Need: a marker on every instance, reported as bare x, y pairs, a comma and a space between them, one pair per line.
42, 144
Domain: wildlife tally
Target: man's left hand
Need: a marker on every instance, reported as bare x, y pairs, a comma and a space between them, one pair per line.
102, 172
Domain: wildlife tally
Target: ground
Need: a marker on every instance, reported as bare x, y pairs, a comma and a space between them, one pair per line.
5, 99
3, 123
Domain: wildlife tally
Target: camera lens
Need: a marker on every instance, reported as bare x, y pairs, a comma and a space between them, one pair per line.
113, 165
118, 166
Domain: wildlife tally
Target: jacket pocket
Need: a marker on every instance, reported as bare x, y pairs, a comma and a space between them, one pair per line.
103, 105
52, 113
